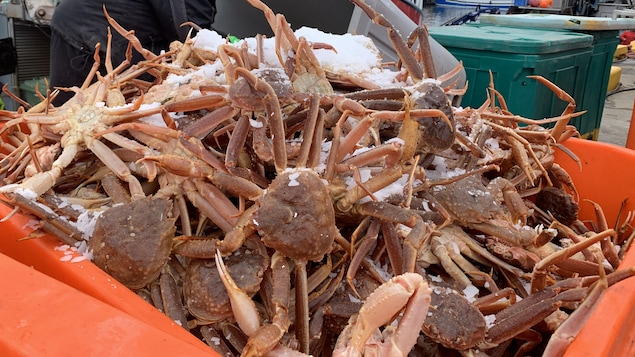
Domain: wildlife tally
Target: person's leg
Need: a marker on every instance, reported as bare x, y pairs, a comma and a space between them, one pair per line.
69, 67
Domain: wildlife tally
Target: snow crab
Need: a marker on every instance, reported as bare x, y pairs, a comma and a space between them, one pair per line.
296, 218
189, 170
203, 291
458, 324
296, 199
94, 108
132, 242
478, 206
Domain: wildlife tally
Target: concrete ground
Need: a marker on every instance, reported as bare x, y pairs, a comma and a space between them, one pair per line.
618, 106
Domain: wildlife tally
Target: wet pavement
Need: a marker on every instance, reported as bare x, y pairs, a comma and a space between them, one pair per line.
618, 106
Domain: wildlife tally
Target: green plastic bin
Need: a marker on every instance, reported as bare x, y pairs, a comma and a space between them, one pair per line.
28, 89
512, 54
604, 45
605, 32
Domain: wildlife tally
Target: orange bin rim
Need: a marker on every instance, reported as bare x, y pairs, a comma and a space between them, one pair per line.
44, 317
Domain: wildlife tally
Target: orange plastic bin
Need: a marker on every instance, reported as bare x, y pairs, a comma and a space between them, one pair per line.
608, 178
50, 307
44, 317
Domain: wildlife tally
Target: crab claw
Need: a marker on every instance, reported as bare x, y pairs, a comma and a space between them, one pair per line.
243, 307
408, 292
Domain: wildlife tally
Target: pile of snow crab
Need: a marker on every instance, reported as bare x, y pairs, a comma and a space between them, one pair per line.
274, 199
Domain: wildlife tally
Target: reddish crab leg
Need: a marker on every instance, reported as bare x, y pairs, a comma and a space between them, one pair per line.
608, 249
274, 114
560, 126
562, 337
538, 279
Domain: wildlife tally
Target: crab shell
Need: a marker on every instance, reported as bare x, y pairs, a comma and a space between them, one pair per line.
296, 216
132, 242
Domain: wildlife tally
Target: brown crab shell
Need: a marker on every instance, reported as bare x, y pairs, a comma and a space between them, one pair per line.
132, 242
296, 216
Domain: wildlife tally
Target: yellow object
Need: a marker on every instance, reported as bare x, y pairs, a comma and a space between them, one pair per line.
614, 78
621, 51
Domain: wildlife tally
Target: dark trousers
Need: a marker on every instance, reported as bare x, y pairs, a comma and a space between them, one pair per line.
69, 66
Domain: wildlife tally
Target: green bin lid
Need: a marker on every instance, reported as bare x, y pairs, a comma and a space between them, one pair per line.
509, 39
563, 22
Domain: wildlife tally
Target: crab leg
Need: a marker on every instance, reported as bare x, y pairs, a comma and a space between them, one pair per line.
562, 337
608, 249
200, 128
197, 103
213, 203
539, 275
419, 234
105, 154
357, 257
474, 246
43, 181
406, 56
277, 25
130, 36
451, 260
519, 317
225, 52
236, 142
348, 143
51, 221
389, 152
425, 56
274, 114
557, 130
374, 184
136, 147
262, 339
309, 131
